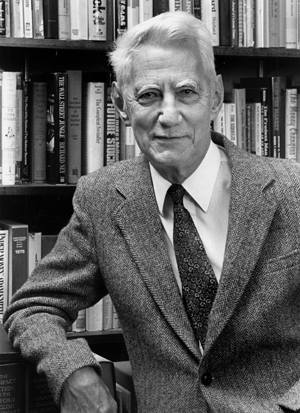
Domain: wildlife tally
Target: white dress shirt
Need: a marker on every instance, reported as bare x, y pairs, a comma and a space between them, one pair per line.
207, 200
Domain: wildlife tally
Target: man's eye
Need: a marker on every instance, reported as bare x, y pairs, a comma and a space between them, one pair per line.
187, 92
148, 97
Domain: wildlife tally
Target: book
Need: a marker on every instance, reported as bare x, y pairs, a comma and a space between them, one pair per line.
132, 13
175, 5
97, 20
94, 317
291, 123
93, 134
120, 17
259, 24
107, 313
291, 24
160, 6
26, 145
50, 12
64, 23
34, 250
17, 18
3, 272
278, 88
110, 149
8, 126
239, 98
219, 122
210, 16
2, 19
277, 24
38, 19
17, 253
230, 121
28, 26
19, 128
298, 128
224, 23
79, 19
74, 125
79, 324
145, 10
56, 128
38, 132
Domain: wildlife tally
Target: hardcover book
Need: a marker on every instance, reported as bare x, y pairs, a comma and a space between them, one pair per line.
38, 19
50, 10
97, 20
3, 272
64, 20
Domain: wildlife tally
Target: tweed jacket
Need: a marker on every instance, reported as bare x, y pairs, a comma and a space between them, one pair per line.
114, 243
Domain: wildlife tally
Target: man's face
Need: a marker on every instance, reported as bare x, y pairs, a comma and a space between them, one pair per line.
169, 104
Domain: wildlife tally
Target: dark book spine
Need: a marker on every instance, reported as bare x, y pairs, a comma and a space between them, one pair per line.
197, 9
12, 385
121, 17
160, 6
25, 173
266, 118
224, 23
50, 10
2, 19
110, 131
62, 127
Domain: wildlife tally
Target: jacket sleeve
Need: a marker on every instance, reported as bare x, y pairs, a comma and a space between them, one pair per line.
66, 281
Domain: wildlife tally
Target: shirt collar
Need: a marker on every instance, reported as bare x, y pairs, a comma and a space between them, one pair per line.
199, 185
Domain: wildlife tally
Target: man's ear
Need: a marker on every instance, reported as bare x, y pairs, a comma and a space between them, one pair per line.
218, 97
119, 103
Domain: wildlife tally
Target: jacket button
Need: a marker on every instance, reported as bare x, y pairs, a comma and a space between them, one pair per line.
206, 379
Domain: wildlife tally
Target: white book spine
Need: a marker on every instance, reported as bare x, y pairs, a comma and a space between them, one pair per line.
230, 122
64, 24
94, 317
132, 13
219, 123
17, 18
3, 272
145, 10
38, 19
34, 250
258, 128
97, 19
28, 19
79, 19
266, 25
259, 23
291, 123
291, 24
7, 19
94, 136
9, 124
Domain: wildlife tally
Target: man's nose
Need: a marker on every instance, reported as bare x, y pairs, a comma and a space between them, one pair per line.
169, 114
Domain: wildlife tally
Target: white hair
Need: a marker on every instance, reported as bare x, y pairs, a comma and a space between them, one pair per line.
165, 29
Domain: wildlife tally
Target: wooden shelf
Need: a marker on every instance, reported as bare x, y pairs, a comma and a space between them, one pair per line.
55, 44
34, 189
263, 52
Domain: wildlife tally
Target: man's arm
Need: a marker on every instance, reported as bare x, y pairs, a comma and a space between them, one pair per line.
67, 280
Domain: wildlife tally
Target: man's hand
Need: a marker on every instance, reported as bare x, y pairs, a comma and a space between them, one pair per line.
85, 392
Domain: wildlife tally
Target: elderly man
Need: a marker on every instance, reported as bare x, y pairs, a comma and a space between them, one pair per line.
196, 241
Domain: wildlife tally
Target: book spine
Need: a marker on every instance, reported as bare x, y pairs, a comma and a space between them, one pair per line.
234, 22
19, 128
110, 135
26, 153
298, 128
97, 20
197, 9
230, 122
129, 143
107, 313
74, 125
17, 18
79, 19
224, 23
62, 127
79, 324
2, 19
239, 97
291, 123
9, 101
94, 317
121, 17
219, 123
145, 10
291, 24
56, 129
258, 129
64, 24
3, 272
93, 145
28, 27
215, 22
7, 19
259, 24
34, 250
38, 19
132, 13
265, 121
50, 10
160, 6
38, 132
13, 387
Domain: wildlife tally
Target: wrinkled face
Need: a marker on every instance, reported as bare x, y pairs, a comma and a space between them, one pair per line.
170, 105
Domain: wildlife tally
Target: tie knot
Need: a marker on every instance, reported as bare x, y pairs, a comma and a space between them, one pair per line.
176, 192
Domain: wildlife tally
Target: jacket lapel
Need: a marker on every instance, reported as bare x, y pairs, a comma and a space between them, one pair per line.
251, 212
138, 219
